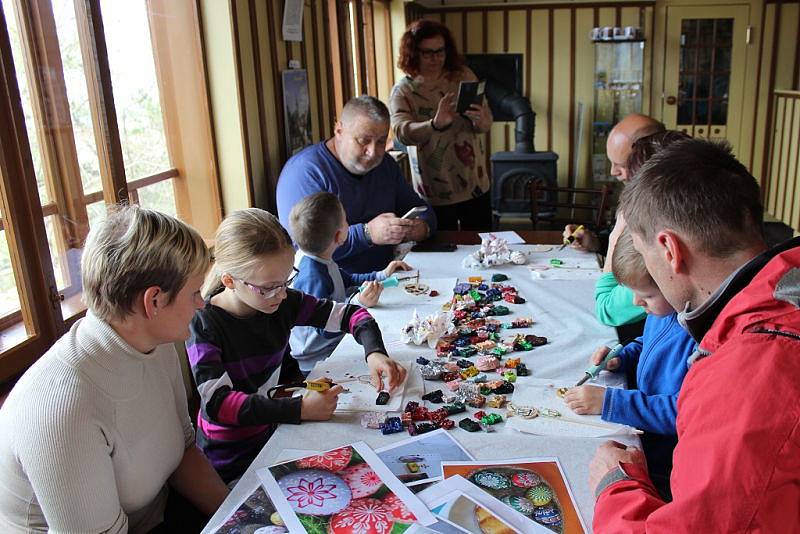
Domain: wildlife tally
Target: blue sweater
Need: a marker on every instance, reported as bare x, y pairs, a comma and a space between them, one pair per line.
322, 279
659, 357
381, 190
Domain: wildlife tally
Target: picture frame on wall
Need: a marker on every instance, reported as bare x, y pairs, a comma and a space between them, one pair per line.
296, 110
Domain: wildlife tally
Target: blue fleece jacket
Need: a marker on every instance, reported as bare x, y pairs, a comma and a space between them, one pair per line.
381, 190
659, 357
322, 279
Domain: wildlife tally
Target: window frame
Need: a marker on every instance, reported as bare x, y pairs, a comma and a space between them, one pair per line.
185, 105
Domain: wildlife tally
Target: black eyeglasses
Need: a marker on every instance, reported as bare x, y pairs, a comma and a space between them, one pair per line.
269, 292
429, 53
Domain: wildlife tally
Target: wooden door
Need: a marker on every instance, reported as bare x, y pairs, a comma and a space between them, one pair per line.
704, 70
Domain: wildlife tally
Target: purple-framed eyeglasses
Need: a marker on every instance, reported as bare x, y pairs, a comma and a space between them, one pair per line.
269, 292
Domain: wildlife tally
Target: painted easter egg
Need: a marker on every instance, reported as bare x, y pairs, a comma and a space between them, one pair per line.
547, 515
363, 516
315, 492
271, 530
520, 504
489, 524
540, 494
334, 460
276, 519
398, 509
491, 480
361, 479
525, 479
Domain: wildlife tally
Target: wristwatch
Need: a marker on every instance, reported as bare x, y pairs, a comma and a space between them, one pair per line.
366, 234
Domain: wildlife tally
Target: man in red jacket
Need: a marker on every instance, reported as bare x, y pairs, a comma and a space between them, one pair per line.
695, 216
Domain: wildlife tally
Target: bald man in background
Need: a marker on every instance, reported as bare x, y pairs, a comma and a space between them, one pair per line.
618, 148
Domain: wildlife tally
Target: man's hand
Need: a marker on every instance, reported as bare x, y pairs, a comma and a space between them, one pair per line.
370, 293
584, 239
319, 405
395, 266
381, 365
608, 457
418, 231
388, 229
586, 400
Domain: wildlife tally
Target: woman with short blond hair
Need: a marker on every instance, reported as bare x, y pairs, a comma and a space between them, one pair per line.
96, 433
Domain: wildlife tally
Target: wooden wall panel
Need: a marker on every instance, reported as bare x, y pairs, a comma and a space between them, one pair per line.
254, 58
562, 73
540, 85
584, 94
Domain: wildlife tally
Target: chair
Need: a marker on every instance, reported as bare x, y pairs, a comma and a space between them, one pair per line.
558, 206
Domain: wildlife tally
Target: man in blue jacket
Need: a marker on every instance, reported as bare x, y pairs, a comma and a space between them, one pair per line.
353, 166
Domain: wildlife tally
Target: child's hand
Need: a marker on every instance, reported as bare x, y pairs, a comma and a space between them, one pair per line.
370, 293
319, 406
612, 365
586, 400
381, 365
395, 266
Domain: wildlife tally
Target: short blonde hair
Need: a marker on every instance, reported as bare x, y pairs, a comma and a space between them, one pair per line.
135, 248
628, 265
314, 221
241, 242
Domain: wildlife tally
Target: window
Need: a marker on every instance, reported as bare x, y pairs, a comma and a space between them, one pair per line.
89, 132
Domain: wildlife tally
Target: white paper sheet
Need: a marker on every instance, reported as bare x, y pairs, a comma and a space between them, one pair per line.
459, 509
511, 237
360, 395
541, 393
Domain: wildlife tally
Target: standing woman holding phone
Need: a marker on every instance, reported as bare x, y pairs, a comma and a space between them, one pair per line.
452, 153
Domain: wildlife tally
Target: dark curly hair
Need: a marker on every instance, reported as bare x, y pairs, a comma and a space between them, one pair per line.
645, 147
418, 31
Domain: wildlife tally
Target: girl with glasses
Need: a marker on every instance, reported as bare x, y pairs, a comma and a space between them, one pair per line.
241, 336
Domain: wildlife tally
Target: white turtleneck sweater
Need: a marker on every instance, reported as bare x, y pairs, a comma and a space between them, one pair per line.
90, 434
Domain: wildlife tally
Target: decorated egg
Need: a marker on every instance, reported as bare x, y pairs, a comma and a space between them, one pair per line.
362, 516
314, 524
525, 479
490, 524
315, 492
276, 519
334, 460
361, 479
398, 509
491, 480
540, 494
520, 504
271, 530
547, 515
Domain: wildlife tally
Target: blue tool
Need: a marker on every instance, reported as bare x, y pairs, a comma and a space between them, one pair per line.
392, 281
594, 370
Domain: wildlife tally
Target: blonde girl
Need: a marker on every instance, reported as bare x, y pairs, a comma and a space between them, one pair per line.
241, 336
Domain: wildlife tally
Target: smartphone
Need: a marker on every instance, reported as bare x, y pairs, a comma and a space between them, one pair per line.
413, 213
428, 246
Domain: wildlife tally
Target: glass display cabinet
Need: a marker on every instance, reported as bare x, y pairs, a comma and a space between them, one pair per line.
618, 82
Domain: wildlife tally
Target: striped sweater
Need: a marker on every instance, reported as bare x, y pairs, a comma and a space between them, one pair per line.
235, 360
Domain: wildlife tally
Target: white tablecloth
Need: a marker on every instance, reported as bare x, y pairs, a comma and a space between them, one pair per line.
563, 311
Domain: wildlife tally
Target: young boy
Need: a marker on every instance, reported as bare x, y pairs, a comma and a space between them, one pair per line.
659, 357
319, 226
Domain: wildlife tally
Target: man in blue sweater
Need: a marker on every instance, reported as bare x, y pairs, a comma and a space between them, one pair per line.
353, 166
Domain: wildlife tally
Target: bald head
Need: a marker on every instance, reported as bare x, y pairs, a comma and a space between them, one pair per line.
623, 135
